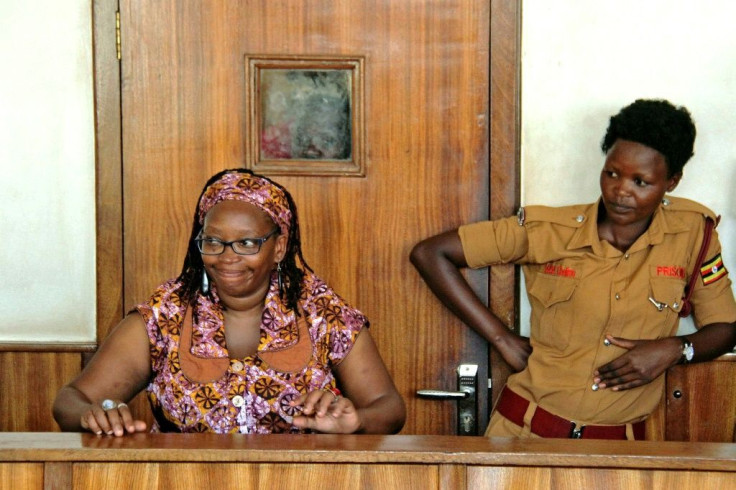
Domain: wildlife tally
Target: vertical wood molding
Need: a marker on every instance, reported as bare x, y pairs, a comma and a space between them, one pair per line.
504, 140
57, 476
108, 153
452, 476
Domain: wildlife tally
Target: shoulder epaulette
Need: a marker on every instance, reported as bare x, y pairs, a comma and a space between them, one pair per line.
572, 216
671, 203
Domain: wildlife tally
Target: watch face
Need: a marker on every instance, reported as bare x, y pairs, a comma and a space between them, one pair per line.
688, 352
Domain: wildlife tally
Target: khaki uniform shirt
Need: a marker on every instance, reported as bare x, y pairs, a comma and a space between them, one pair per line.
580, 288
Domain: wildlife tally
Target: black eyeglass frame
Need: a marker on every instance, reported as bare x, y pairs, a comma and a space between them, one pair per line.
260, 240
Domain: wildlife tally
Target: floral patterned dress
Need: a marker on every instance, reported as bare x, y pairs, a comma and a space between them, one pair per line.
197, 387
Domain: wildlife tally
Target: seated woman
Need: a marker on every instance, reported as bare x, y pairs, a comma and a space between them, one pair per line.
605, 282
246, 340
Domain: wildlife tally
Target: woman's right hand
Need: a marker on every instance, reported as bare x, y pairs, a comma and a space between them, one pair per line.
114, 421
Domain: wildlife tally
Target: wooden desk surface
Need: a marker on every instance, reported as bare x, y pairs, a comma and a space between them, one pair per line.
366, 449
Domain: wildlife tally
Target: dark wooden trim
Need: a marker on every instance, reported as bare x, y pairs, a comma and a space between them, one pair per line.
47, 347
505, 101
108, 152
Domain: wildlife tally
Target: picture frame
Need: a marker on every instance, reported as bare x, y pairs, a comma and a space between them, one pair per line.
305, 115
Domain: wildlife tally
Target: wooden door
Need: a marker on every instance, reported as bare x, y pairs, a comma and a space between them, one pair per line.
424, 139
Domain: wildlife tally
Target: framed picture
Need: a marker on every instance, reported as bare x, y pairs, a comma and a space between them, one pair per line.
305, 115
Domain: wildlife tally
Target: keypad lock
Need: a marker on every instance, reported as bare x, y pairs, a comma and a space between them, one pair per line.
466, 396
467, 408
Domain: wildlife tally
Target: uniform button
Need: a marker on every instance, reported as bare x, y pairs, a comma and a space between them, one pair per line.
626, 256
237, 366
618, 296
580, 218
606, 342
594, 387
665, 202
238, 401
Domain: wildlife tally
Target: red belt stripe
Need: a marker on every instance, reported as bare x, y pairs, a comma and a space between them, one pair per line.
545, 424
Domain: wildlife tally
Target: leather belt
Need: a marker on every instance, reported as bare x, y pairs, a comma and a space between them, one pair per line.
545, 424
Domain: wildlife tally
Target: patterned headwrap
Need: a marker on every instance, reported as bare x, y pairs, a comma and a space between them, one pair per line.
236, 186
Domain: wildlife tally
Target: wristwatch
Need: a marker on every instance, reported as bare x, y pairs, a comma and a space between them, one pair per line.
688, 352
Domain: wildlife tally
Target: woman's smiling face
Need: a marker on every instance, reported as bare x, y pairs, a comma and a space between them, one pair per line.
633, 182
240, 276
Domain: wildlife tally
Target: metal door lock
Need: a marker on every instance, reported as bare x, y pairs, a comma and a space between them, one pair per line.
466, 396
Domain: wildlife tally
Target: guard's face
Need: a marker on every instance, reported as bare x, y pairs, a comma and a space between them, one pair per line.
633, 182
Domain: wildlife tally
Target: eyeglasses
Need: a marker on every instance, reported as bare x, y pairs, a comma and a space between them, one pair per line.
244, 246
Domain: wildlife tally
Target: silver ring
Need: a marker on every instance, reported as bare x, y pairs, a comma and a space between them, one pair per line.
108, 404
120, 405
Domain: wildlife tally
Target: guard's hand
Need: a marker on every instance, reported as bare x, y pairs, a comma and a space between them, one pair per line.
111, 418
515, 350
326, 411
643, 362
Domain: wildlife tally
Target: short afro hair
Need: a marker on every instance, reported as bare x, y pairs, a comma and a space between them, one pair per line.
657, 124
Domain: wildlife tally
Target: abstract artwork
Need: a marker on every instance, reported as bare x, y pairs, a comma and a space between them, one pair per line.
305, 115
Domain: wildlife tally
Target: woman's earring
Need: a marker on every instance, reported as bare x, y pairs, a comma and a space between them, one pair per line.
205, 283
280, 280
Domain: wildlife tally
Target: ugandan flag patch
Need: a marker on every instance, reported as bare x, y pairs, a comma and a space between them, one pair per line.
713, 270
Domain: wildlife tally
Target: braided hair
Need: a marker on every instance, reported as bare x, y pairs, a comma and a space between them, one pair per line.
292, 266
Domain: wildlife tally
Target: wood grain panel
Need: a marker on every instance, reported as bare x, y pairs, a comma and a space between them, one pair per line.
426, 143
335, 449
57, 476
21, 476
706, 407
655, 424
187, 461
213, 475
108, 168
452, 476
505, 66
592, 478
30, 381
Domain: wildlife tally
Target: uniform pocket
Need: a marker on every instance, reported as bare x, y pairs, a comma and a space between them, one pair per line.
665, 298
553, 295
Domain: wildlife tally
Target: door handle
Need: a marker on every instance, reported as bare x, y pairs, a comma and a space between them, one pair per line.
466, 396
442, 395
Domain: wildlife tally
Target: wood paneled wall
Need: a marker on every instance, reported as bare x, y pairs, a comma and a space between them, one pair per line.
29, 381
699, 402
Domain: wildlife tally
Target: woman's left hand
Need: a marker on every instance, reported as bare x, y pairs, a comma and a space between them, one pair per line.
325, 411
643, 362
